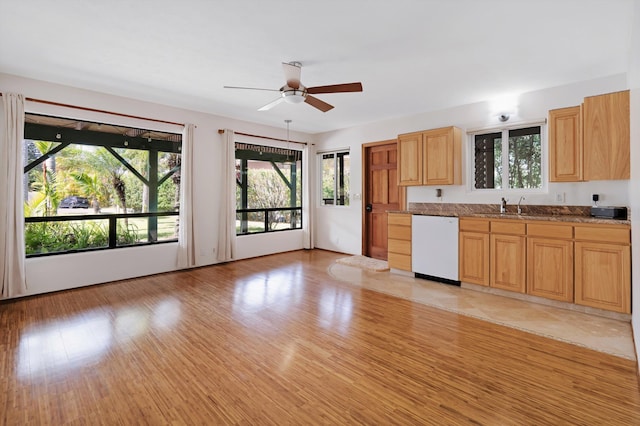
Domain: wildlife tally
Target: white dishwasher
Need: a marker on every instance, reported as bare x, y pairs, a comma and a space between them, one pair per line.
434, 247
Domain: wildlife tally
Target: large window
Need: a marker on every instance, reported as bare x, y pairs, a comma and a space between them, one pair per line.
508, 159
268, 189
334, 169
92, 186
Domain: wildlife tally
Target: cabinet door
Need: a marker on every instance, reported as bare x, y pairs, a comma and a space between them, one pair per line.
474, 258
565, 145
603, 276
441, 156
508, 262
550, 268
606, 137
410, 159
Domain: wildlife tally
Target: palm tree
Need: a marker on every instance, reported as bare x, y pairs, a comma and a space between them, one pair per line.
90, 186
49, 198
47, 186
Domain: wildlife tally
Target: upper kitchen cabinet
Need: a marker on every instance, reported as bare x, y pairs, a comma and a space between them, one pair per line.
606, 137
431, 157
565, 145
410, 159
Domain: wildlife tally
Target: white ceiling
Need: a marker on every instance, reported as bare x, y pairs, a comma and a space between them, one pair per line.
411, 56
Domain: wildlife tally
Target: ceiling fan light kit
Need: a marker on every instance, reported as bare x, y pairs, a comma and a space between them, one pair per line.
293, 96
293, 92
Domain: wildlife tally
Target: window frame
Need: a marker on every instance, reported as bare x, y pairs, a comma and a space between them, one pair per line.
544, 176
320, 198
147, 138
272, 150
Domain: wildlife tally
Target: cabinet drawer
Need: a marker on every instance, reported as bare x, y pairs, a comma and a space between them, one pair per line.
399, 232
399, 246
612, 234
399, 261
550, 230
399, 219
474, 225
507, 227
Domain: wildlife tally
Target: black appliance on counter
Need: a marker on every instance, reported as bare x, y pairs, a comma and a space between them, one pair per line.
609, 212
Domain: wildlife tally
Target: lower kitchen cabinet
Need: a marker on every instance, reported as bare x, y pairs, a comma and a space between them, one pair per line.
474, 258
603, 275
583, 263
508, 262
399, 241
473, 244
550, 268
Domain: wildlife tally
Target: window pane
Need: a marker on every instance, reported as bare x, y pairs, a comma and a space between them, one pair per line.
136, 230
249, 222
60, 237
328, 178
488, 161
335, 169
342, 176
525, 158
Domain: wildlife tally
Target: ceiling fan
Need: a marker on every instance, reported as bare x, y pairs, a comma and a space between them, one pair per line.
294, 92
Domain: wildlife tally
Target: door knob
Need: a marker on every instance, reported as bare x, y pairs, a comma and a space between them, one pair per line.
368, 207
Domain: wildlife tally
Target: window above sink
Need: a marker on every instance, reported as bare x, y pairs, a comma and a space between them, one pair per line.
507, 159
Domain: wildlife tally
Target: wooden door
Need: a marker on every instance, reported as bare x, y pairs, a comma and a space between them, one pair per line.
603, 276
381, 195
508, 262
550, 268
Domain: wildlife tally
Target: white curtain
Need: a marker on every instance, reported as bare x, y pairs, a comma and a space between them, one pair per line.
12, 269
308, 200
227, 222
186, 237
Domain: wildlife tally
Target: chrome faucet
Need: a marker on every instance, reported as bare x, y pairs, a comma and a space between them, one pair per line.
503, 206
519, 209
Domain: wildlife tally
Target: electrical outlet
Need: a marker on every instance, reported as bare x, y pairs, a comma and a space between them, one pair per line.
559, 197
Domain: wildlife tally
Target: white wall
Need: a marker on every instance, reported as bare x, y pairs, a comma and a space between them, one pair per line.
340, 229
634, 187
72, 270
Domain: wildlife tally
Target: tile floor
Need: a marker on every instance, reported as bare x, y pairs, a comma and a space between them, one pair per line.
611, 336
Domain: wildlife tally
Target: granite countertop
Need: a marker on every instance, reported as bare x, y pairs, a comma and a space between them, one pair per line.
573, 214
554, 218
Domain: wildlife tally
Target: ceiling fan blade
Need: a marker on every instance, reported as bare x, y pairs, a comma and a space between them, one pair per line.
317, 103
336, 88
250, 88
292, 74
271, 104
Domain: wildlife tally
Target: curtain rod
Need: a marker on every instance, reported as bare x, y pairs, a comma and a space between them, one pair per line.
221, 131
42, 101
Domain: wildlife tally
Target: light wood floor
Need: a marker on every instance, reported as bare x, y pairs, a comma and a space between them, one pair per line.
277, 340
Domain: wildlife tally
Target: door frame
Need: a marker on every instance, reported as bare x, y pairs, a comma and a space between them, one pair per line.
402, 190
